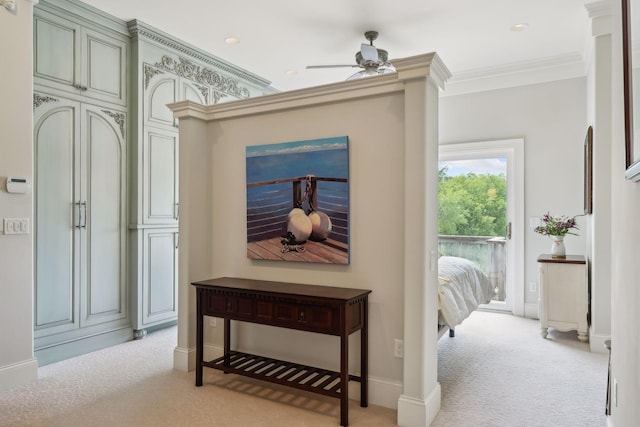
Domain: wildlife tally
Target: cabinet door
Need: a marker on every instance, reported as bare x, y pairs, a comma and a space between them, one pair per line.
56, 51
78, 60
103, 190
57, 216
160, 276
160, 165
161, 88
191, 91
104, 67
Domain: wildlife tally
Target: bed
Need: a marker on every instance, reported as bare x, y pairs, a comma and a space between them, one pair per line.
462, 288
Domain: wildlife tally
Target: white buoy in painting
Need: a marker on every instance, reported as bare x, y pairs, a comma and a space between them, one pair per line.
299, 225
320, 225
295, 211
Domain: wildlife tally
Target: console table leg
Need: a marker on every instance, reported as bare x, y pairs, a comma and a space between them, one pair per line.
227, 341
344, 379
199, 339
364, 357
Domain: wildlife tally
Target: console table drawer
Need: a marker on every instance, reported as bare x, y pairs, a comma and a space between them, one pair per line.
308, 317
229, 305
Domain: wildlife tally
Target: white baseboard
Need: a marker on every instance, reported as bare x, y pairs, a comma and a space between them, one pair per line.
382, 392
596, 343
212, 351
184, 359
531, 310
18, 374
414, 412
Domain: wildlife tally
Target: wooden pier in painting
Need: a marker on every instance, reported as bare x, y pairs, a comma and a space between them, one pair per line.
268, 205
327, 251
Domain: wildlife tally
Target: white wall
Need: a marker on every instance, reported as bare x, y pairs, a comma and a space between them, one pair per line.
17, 365
598, 227
625, 255
551, 117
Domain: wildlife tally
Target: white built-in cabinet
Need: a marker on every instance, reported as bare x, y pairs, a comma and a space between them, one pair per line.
106, 172
81, 188
165, 71
75, 58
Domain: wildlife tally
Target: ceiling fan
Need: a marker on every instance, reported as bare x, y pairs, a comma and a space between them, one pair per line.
373, 60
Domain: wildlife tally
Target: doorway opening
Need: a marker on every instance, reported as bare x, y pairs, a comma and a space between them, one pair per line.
481, 211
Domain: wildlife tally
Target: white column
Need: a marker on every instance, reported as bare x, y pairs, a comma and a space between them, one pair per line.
420, 399
195, 235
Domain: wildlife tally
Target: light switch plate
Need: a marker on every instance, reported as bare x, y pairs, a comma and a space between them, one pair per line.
15, 225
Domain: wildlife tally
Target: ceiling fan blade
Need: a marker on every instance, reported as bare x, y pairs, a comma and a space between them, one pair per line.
330, 66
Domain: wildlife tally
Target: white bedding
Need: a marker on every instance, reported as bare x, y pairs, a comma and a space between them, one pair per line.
463, 287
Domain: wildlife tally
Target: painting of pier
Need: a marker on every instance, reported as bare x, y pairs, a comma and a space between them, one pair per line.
298, 201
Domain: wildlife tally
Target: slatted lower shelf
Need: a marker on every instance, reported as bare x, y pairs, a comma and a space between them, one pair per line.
290, 374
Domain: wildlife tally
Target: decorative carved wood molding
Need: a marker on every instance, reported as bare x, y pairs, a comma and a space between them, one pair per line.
149, 72
119, 118
189, 70
38, 100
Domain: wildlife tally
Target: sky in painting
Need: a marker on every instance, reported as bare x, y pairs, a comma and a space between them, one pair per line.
337, 143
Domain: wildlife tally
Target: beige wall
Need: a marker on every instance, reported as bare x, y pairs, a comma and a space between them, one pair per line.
392, 224
17, 365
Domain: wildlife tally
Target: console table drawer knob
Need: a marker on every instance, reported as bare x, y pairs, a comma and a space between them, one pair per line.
301, 316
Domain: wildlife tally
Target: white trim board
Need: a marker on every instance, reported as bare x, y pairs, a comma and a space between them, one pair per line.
18, 374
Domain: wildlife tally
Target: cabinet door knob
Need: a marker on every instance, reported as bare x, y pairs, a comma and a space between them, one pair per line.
301, 316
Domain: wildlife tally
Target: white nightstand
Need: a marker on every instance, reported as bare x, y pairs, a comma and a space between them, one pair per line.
563, 294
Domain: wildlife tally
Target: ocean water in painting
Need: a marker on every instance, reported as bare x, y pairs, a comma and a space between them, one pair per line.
269, 202
323, 157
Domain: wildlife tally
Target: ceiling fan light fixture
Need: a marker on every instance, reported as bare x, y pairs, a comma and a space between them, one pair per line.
374, 61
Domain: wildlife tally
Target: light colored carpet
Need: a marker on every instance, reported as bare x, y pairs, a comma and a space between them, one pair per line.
134, 384
499, 371
496, 372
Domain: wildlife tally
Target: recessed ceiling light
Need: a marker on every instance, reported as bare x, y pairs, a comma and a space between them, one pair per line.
292, 72
520, 27
231, 40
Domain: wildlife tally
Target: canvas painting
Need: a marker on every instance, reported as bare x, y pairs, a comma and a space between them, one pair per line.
298, 201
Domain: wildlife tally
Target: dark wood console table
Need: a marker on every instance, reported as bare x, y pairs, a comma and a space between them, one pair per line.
321, 309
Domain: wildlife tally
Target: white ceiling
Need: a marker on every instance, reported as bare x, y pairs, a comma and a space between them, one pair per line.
470, 36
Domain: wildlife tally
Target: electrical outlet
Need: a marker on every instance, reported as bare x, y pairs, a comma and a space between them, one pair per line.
533, 286
212, 322
398, 348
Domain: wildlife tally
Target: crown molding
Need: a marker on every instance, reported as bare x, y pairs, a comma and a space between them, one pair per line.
81, 12
516, 74
408, 69
140, 30
599, 8
600, 17
428, 64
